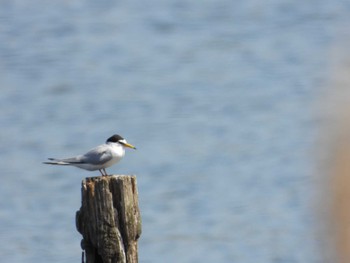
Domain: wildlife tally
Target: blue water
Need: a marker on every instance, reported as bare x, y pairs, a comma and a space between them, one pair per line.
216, 95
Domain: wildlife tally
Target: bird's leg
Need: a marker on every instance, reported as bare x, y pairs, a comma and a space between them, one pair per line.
105, 171
101, 172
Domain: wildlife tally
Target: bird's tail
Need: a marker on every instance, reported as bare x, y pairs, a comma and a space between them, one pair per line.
54, 161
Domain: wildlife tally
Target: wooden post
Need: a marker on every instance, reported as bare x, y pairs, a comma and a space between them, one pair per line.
109, 219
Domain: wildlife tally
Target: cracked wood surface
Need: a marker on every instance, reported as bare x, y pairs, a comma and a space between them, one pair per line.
109, 219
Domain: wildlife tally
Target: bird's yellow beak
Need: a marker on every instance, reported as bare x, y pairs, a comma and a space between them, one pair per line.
129, 145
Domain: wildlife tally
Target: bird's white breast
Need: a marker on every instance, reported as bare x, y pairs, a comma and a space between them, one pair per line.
117, 152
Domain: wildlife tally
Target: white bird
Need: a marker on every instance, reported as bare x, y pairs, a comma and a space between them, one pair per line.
98, 158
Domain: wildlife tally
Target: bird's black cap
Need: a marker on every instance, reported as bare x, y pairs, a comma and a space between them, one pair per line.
115, 138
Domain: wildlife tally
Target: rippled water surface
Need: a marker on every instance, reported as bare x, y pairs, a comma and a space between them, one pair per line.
217, 97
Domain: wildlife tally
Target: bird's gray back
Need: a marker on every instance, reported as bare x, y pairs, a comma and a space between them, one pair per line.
97, 156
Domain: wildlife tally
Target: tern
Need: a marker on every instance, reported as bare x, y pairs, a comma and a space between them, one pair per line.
98, 158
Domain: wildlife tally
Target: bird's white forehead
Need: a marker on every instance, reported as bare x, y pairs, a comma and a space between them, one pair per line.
123, 141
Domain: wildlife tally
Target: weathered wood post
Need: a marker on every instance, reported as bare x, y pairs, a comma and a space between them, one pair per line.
109, 219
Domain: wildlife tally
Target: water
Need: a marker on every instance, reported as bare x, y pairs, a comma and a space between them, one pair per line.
216, 95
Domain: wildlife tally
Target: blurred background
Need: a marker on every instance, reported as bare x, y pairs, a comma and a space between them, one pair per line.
218, 97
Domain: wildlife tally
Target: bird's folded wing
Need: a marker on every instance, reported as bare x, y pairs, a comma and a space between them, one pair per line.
71, 160
97, 157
